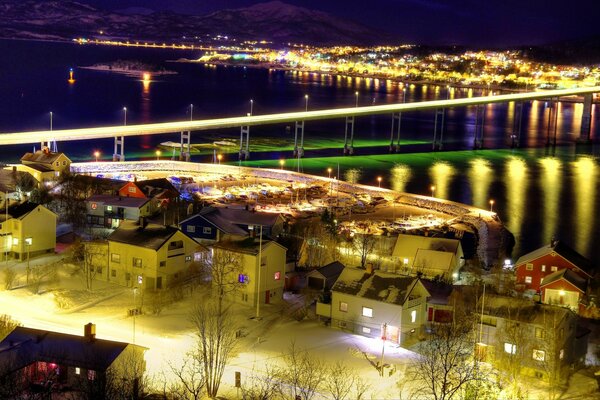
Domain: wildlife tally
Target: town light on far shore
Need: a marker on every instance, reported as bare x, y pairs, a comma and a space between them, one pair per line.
329, 172
219, 158
281, 163
96, 155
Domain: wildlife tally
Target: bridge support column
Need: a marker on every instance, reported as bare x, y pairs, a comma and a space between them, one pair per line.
184, 150
119, 153
517, 123
395, 118
439, 112
299, 149
479, 126
349, 147
244, 151
552, 124
586, 119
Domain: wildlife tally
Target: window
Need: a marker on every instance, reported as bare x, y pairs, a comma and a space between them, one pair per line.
137, 262
176, 244
527, 279
207, 230
91, 375
15, 241
529, 267
366, 330
553, 268
131, 189
487, 320
198, 256
413, 316
242, 278
162, 264
277, 276
64, 163
113, 273
140, 279
539, 355
127, 276
99, 270
510, 348
343, 306
191, 229
561, 354
367, 312
108, 208
77, 370
188, 258
116, 258
540, 333
543, 268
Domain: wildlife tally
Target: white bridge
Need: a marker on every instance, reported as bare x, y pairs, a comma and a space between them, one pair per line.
186, 127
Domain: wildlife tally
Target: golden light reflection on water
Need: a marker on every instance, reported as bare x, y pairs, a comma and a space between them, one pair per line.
480, 177
441, 173
551, 181
585, 173
352, 175
533, 121
401, 175
517, 180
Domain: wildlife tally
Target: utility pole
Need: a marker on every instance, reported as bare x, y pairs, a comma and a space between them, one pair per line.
258, 274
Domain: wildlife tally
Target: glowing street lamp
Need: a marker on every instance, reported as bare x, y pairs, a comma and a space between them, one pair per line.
96, 155
356, 94
305, 102
492, 205
379, 181
251, 107
158, 153
329, 172
432, 190
219, 158
281, 163
124, 116
28, 242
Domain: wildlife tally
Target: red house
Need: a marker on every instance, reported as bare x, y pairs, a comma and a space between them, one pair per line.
159, 188
532, 268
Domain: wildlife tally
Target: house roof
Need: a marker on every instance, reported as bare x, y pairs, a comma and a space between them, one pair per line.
26, 345
42, 157
153, 236
439, 292
566, 274
330, 272
563, 250
153, 187
20, 210
409, 244
523, 310
247, 246
379, 286
228, 219
434, 259
39, 167
118, 201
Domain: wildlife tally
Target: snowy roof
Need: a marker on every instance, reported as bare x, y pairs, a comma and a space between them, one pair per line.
434, 259
563, 250
329, 272
380, 286
154, 187
153, 236
118, 201
407, 245
523, 310
439, 292
572, 277
24, 346
42, 156
228, 219
247, 246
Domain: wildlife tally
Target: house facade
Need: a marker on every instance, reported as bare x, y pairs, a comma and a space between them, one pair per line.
151, 256
109, 211
30, 230
377, 304
429, 256
45, 165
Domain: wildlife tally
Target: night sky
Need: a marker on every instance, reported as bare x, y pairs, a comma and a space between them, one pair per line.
468, 22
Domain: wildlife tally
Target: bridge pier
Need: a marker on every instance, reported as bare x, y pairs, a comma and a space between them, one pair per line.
439, 142
396, 117
349, 148
552, 121
244, 151
299, 149
586, 119
184, 150
119, 153
517, 123
479, 127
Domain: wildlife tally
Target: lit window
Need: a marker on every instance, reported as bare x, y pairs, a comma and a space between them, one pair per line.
561, 354
140, 279
198, 256
553, 268
527, 279
131, 189
543, 268
510, 348
116, 258
529, 267
137, 262
413, 316
191, 229
15, 241
28, 241
277, 275
366, 330
207, 230
162, 264
91, 375
343, 306
108, 208
539, 355
77, 370
242, 278
188, 258
367, 312
540, 333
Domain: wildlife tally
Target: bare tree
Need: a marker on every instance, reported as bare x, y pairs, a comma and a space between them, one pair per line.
223, 269
7, 324
343, 383
10, 275
302, 374
215, 329
444, 367
40, 274
190, 379
363, 245
261, 386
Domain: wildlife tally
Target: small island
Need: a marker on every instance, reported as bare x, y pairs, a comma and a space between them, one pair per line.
131, 68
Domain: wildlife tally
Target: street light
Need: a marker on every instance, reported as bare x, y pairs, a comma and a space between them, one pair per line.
379, 181
356, 94
432, 190
28, 242
251, 107
219, 157
96, 155
124, 116
306, 102
492, 205
50, 121
281, 163
191, 112
158, 153
329, 172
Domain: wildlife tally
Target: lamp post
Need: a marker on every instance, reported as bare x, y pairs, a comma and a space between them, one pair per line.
28, 242
379, 181
158, 153
305, 102
96, 155
134, 312
191, 112
50, 121
281, 163
492, 205
356, 95
432, 190
329, 172
124, 116
219, 158
251, 107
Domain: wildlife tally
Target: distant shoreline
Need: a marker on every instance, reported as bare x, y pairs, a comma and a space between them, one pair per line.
126, 71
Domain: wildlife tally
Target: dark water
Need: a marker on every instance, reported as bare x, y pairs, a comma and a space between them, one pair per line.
539, 193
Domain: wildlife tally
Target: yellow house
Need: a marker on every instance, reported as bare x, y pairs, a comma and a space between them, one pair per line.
45, 165
149, 256
265, 284
30, 229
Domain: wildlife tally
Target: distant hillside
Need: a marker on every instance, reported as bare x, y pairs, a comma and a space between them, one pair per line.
274, 21
581, 51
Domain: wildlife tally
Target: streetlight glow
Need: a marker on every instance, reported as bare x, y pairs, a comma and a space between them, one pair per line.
432, 190
124, 116
96, 155
219, 158
379, 181
492, 205
158, 153
329, 172
281, 163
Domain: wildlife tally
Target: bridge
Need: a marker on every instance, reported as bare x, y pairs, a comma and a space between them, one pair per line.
350, 113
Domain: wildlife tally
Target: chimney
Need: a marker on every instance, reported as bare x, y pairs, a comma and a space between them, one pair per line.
89, 332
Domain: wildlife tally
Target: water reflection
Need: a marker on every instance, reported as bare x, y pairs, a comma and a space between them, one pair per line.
551, 183
480, 176
517, 180
401, 175
352, 175
441, 173
585, 173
